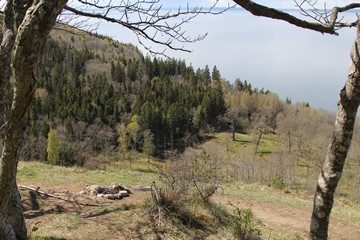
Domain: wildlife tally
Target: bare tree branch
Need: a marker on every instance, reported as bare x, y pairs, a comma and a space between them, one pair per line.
322, 23
147, 19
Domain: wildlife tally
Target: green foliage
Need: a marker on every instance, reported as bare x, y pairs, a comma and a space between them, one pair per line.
54, 147
45, 128
69, 130
122, 139
77, 85
175, 102
28, 173
215, 74
133, 131
243, 224
149, 147
167, 107
278, 182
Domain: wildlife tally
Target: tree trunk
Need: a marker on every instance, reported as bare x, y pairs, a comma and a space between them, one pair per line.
7, 37
258, 141
233, 130
289, 141
334, 162
32, 32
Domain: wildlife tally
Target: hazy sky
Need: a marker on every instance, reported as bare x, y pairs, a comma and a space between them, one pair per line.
292, 62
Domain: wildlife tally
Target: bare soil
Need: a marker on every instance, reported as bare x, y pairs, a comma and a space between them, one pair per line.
82, 216
121, 222
293, 221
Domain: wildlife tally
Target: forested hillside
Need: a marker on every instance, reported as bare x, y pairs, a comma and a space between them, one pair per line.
96, 97
103, 96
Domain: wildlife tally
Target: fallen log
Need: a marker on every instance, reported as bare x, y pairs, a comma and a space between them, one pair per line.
59, 197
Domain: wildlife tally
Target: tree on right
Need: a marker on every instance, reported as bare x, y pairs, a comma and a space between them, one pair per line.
326, 21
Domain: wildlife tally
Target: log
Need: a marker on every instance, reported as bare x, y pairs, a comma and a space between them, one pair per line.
60, 198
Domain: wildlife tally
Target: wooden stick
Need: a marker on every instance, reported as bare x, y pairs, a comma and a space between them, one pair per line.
58, 197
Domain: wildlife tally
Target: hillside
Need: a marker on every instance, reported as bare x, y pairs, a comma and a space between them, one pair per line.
105, 113
91, 88
278, 214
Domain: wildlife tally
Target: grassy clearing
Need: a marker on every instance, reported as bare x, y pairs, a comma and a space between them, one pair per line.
57, 219
129, 220
246, 142
140, 173
344, 212
260, 193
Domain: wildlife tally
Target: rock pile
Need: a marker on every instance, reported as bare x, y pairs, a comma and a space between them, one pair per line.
114, 191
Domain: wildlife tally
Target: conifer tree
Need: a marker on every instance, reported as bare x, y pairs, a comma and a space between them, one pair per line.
148, 145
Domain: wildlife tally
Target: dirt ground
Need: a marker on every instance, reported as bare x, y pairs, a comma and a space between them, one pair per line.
291, 220
273, 216
99, 218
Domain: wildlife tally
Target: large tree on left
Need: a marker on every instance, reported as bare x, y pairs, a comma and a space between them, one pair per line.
26, 26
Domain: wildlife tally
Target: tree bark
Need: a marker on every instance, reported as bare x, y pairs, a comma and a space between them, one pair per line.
32, 31
7, 38
330, 175
233, 129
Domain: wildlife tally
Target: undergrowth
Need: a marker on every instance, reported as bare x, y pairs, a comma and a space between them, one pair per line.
183, 201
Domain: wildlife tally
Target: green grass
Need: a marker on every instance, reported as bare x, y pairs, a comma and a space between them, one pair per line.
27, 172
260, 193
140, 173
247, 141
343, 210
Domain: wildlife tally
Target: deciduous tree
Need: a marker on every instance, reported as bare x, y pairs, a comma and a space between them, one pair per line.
53, 147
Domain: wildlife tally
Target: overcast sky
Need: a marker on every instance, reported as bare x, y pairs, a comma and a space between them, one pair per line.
292, 62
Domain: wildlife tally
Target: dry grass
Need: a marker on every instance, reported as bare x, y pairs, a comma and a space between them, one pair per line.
281, 214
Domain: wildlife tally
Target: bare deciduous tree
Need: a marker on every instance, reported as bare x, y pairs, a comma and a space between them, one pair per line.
25, 28
326, 22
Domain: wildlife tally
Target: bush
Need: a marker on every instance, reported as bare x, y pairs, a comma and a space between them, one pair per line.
172, 205
194, 172
243, 224
278, 182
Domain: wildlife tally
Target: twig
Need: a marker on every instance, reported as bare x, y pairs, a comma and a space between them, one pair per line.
3, 125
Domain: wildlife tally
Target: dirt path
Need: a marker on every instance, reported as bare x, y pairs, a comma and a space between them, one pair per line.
279, 220
293, 221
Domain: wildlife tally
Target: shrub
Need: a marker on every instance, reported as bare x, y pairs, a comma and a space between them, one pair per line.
243, 224
278, 182
172, 205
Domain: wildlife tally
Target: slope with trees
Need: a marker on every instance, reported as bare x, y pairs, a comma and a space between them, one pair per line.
83, 94
328, 22
26, 26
